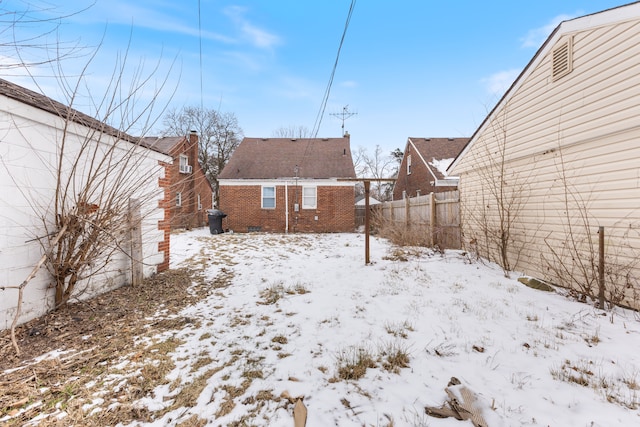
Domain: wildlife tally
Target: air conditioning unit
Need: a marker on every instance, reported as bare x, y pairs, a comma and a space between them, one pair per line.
186, 169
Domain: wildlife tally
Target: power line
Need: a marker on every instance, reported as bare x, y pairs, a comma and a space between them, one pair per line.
200, 41
323, 105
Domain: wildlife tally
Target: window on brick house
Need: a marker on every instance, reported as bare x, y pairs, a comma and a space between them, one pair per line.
309, 197
409, 164
268, 197
178, 199
184, 164
199, 203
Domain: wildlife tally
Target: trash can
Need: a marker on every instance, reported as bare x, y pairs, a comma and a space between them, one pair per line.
215, 221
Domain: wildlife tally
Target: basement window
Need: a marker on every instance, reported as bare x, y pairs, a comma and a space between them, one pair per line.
268, 197
562, 59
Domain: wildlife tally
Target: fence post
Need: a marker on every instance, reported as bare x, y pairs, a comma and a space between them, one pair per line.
432, 219
601, 267
135, 227
406, 212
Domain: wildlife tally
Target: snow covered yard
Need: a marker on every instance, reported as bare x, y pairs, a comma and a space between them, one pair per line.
373, 345
364, 345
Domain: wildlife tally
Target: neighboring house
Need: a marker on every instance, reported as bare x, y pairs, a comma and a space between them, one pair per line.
424, 165
559, 156
32, 128
282, 185
362, 201
191, 191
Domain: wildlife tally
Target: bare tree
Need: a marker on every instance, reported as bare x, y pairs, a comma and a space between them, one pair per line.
377, 165
104, 183
495, 211
292, 132
219, 135
26, 35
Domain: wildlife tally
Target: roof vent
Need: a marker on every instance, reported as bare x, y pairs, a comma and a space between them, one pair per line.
562, 59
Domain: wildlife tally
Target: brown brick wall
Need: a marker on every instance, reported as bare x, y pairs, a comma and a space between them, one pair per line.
190, 186
164, 225
419, 179
335, 210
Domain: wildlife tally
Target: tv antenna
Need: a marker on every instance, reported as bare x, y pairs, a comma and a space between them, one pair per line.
344, 115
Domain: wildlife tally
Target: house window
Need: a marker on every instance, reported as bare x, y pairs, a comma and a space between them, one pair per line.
199, 203
309, 197
178, 199
409, 164
562, 59
268, 197
185, 167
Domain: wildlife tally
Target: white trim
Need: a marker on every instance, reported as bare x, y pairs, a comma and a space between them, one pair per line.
423, 160
283, 182
315, 197
619, 14
275, 193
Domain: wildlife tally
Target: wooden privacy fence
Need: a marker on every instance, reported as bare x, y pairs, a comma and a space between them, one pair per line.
436, 214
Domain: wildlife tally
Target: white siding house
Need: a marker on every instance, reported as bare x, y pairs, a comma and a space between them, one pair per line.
559, 156
31, 137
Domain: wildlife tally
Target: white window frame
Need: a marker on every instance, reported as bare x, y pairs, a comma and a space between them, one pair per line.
409, 164
262, 198
178, 199
184, 164
199, 203
309, 201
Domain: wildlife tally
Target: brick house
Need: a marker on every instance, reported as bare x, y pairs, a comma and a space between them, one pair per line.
424, 164
289, 185
190, 193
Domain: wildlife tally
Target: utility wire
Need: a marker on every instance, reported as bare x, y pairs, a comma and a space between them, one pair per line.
323, 105
200, 40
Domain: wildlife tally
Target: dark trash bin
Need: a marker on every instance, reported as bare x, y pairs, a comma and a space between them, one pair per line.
215, 221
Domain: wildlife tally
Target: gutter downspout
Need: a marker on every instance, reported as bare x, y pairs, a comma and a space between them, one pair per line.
286, 207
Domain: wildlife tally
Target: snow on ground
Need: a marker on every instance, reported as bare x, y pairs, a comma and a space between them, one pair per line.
300, 307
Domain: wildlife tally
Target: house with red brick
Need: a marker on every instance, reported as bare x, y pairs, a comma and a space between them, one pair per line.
190, 192
289, 185
424, 164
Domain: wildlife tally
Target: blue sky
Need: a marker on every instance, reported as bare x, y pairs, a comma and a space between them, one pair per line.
407, 68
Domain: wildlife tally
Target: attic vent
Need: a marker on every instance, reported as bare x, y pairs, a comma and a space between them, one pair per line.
562, 59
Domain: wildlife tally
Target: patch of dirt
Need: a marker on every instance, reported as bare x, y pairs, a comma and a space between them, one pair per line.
90, 335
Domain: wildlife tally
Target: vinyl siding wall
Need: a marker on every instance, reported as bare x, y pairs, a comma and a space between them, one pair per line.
571, 151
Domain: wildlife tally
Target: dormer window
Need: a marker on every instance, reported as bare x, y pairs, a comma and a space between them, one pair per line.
185, 167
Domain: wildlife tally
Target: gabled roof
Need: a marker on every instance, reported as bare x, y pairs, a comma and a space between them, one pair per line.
605, 17
163, 144
431, 151
42, 102
273, 158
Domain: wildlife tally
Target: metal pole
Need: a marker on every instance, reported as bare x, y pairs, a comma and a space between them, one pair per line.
601, 267
366, 222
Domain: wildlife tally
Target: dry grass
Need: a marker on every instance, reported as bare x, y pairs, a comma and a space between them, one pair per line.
354, 362
97, 335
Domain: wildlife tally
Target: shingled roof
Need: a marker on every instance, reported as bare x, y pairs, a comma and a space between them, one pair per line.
42, 102
273, 158
438, 149
163, 144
